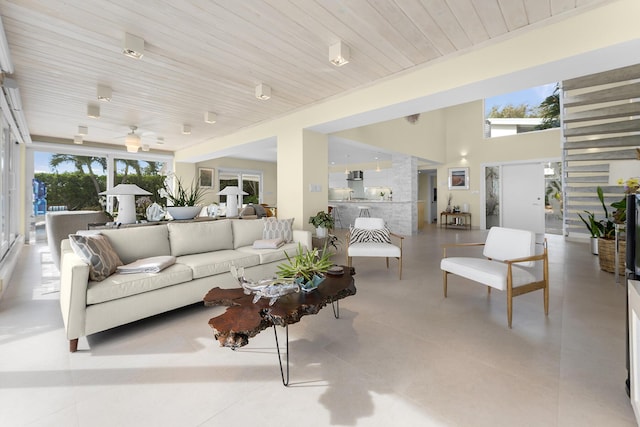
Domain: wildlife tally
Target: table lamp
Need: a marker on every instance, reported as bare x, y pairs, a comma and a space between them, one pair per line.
126, 194
232, 192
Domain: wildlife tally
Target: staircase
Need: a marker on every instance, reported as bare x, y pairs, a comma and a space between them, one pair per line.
600, 126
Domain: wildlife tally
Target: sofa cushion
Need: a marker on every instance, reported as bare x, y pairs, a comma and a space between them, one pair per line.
274, 228
123, 285
96, 250
246, 231
134, 243
490, 273
271, 255
210, 263
188, 238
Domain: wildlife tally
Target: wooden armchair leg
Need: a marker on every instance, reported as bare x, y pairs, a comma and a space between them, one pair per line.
73, 345
509, 306
400, 268
444, 282
387, 262
546, 299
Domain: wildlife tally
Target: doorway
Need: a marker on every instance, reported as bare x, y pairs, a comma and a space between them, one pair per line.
517, 195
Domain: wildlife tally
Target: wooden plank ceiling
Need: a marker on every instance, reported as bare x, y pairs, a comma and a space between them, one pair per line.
208, 55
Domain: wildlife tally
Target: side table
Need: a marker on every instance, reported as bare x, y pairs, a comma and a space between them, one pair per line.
459, 220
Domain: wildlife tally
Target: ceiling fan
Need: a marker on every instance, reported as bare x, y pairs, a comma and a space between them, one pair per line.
133, 140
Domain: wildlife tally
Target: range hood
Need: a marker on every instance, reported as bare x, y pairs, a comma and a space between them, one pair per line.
355, 176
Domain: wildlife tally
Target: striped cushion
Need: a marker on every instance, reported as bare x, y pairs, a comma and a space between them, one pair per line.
96, 251
362, 235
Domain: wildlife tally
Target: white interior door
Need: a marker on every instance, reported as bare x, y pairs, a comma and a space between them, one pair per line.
523, 196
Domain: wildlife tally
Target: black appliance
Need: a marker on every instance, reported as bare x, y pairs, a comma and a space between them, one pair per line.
632, 269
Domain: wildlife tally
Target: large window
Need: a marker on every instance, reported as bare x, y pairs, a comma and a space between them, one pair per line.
8, 191
536, 108
249, 181
71, 178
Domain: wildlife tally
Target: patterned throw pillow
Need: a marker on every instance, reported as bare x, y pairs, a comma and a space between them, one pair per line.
96, 251
278, 228
362, 235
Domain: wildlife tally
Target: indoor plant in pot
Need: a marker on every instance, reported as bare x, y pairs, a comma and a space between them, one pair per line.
322, 221
595, 229
182, 201
307, 268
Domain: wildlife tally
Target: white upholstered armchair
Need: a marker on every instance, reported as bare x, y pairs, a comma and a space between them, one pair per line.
370, 237
512, 262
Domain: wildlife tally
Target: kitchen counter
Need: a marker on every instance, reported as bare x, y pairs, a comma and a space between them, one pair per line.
399, 216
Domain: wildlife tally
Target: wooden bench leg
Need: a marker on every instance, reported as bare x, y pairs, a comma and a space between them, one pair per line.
73, 345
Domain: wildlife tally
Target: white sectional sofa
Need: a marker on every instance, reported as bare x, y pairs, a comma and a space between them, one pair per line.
204, 252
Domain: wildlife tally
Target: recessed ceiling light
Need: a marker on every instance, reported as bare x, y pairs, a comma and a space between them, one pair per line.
186, 129
160, 140
339, 54
133, 46
263, 92
83, 130
104, 93
210, 117
93, 111
77, 139
145, 147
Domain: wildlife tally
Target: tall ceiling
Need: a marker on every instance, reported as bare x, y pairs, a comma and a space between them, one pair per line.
209, 55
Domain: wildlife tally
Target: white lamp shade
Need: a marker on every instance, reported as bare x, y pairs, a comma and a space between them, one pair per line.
232, 192
126, 201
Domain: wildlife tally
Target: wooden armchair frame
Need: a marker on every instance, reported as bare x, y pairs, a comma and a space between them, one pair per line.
512, 291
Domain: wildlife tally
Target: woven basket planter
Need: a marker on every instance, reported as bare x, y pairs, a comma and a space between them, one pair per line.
607, 254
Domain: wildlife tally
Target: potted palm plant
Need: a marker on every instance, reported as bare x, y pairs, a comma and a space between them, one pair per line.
322, 221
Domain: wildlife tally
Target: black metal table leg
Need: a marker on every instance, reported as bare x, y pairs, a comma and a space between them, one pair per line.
286, 328
335, 305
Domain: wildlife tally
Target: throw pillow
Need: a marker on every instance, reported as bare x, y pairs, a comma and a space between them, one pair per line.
96, 250
362, 235
248, 210
278, 228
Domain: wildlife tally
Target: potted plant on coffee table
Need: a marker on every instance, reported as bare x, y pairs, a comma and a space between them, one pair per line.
323, 222
307, 268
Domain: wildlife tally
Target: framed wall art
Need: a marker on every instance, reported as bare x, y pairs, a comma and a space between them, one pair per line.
458, 178
205, 177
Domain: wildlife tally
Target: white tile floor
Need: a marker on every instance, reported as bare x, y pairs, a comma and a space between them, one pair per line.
399, 355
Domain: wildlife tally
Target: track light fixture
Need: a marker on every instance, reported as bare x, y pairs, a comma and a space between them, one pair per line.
339, 54
210, 117
83, 130
263, 92
93, 111
104, 93
133, 46
186, 129
77, 139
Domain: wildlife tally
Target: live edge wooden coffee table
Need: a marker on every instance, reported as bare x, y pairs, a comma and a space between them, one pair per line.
243, 319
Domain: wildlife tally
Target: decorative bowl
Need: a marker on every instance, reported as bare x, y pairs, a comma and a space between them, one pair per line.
183, 212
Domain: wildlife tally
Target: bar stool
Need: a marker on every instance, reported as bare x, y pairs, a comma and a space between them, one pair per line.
335, 213
364, 211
